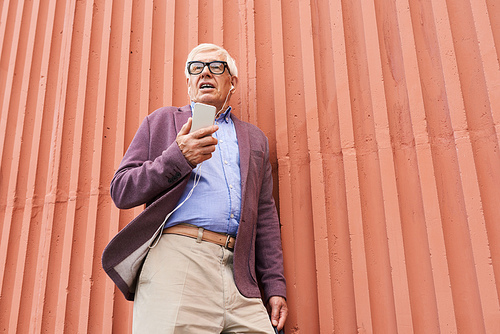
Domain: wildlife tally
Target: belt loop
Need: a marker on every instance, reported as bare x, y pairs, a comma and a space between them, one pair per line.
227, 241
200, 235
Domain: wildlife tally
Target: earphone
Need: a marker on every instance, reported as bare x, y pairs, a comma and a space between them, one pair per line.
232, 88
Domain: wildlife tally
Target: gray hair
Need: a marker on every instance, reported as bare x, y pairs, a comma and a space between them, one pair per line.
204, 47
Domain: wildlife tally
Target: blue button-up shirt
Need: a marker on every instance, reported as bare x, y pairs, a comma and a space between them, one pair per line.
215, 203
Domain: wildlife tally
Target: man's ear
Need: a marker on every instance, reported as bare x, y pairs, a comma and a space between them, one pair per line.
234, 83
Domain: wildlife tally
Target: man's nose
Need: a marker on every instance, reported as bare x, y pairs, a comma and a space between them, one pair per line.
206, 71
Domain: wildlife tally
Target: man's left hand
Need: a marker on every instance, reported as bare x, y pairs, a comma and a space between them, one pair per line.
279, 311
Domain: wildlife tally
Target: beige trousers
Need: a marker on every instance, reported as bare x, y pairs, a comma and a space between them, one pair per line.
187, 287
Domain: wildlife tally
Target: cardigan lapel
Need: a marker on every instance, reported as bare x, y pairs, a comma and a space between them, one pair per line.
244, 148
181, 116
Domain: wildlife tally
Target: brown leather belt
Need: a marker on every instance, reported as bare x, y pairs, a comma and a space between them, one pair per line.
199, 233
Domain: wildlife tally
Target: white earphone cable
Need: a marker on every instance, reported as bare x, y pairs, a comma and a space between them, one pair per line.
157, 235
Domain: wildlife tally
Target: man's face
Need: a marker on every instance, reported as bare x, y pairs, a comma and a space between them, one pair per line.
210, 88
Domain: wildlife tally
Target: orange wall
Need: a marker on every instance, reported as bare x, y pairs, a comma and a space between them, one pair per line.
382, 117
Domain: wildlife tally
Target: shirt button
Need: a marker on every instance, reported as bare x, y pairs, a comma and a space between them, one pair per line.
225, 162
232, 216
230, 186
221, 141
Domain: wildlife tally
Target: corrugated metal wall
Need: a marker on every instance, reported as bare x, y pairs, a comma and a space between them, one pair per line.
382, 117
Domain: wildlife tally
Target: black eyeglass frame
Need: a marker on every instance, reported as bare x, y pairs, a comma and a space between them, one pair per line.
209, 68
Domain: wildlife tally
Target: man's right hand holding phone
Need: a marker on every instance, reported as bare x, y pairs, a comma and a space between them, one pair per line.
197, 146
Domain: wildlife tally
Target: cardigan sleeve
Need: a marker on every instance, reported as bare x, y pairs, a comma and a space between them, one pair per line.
144, 174
268, 249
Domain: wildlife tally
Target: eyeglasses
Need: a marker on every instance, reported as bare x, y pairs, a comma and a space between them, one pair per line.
215, 67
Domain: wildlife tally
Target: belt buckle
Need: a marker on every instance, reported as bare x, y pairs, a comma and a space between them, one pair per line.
228, 238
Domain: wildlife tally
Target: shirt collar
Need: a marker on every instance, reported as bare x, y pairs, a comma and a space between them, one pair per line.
225, 116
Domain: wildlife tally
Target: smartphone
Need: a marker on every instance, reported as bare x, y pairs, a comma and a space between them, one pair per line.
203, 116
276, 331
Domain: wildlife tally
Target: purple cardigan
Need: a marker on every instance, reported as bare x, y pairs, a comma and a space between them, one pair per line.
154, 171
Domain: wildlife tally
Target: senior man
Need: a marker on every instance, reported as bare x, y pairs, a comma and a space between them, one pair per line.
210, 234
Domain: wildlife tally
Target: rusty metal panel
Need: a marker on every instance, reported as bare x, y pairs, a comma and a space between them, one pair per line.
382, 118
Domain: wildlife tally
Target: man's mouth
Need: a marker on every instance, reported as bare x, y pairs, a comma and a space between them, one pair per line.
206, 86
